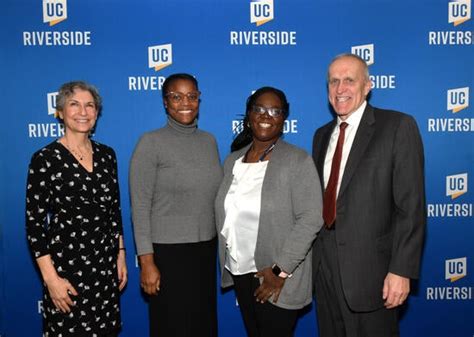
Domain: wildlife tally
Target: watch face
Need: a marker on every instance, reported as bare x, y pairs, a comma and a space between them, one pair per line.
276, 270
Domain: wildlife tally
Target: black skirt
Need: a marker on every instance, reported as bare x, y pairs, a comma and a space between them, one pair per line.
186, 303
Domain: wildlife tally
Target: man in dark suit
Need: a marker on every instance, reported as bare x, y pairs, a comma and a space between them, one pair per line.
370, 163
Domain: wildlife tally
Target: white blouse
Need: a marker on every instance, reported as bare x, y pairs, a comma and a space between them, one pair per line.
242, 215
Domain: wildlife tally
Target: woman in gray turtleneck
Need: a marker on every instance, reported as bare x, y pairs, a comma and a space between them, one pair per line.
174, 176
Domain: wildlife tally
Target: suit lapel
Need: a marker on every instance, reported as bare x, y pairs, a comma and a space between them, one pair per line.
362, 139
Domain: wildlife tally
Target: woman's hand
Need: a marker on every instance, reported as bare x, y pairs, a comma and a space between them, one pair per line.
150, 276
270, 286
59, 290
122, 269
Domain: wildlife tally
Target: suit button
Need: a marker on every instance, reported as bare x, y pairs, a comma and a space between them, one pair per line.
341, 244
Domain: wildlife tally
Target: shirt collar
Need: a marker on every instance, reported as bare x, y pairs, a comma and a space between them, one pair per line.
355, 117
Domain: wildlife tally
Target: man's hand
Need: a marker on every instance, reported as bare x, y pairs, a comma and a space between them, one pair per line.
395, 290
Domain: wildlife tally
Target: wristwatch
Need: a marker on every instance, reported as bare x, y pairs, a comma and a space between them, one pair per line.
276, 270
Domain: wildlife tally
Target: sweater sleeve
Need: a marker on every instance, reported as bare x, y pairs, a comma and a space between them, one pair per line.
142, 179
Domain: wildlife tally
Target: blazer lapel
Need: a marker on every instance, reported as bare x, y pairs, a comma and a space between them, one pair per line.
362, 139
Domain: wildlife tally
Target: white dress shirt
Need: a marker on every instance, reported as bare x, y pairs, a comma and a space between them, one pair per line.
242, 216
353, 122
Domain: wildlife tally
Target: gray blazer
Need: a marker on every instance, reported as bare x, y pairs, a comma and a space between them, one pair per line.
290, 218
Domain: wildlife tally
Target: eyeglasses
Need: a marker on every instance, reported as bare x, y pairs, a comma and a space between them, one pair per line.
272, 112
178, 97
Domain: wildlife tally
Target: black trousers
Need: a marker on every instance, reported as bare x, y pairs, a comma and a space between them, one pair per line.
261, 319
335, 318
186, 303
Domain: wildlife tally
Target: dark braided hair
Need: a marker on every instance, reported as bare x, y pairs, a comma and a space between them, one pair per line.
245, 137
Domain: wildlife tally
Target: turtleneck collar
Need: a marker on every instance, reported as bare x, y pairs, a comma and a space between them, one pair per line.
187, 129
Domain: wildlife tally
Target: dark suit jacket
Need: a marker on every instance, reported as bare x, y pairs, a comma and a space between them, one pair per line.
380, 215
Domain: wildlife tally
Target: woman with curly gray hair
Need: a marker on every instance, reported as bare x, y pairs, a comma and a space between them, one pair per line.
74, 223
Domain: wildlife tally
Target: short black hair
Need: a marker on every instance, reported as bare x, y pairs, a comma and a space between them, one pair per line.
174, 77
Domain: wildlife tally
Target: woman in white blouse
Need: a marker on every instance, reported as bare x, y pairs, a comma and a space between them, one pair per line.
268, 211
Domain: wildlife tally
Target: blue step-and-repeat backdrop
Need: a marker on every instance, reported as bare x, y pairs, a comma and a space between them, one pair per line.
421, 62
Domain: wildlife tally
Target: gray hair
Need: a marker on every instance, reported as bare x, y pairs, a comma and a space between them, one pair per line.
355, 57
67, 90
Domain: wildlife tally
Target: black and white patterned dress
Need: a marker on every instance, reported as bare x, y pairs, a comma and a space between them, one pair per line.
82, 236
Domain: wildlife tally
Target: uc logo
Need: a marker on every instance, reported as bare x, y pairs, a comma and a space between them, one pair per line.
365, 52
455, 269
51, 97
458, 99
456, 185
459, 11
160, 56
54, 11
261, 11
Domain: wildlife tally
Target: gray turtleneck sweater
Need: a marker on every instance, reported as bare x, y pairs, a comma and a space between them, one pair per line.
174, 176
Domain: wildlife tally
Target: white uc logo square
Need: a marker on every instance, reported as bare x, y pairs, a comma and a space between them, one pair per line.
261, 11
457, 99
456, 185
455, 269
365, 52
51, 97
160, 56
54, 11
459, 11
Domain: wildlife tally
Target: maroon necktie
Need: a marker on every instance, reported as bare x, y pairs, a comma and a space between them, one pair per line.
329, 203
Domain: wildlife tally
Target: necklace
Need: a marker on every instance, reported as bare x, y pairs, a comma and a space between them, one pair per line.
264, 154
77, 153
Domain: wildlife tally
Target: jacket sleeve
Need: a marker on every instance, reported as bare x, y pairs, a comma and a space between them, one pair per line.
306, 201
409, 215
